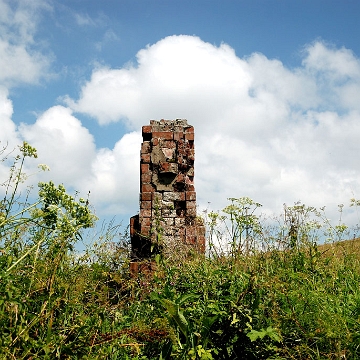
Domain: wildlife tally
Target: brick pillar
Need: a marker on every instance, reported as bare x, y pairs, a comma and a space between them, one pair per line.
167, 193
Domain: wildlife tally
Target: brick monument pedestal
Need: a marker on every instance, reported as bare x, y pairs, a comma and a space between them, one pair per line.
167, 193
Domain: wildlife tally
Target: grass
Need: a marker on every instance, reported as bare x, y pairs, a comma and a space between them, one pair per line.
301, 303
264, 292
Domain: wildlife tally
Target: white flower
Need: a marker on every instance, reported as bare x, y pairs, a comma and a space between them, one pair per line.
43, 167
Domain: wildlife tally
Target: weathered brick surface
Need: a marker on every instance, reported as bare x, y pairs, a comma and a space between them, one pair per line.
145, 158
144, 168
147, 188
167, 192
190, 195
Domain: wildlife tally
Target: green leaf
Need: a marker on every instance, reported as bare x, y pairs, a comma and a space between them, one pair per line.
254, 335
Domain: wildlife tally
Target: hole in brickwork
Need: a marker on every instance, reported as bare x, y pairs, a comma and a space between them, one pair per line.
166, 178
147, 136
180, 186
180, 207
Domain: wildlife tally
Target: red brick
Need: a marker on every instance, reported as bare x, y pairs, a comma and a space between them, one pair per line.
132, 231
190, 187
146, 221
200, 231
190, 195
168, 135
201, 243
145, 158
145, 147
189, 183
145, 213
178, 128
144, 168
189, 180
147, 188
201, 239
145, 230
190, 240
189, 136
189, 129
190, 204
146, 196
170, 144
178, 135
145, 204
182, 150
146, 178
132, 221
179, 159
190, 230
190, 154
134, 269
182, 196
180, 178
155, 141
146, 129
168, 167
168, 153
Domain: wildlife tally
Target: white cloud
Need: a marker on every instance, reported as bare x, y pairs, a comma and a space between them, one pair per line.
63, 144
68, 148
337, 64
114, 180
8, 128
262, 130
84, 19
9, 139
109, 37
173, 72
20, 62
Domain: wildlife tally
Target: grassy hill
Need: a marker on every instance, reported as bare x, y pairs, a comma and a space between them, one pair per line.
295, 300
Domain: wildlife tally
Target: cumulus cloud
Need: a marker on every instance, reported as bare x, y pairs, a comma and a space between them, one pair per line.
8, 129
20, 62
62, 143
61, 140
114, 180
9, 138
68, 148
262, 129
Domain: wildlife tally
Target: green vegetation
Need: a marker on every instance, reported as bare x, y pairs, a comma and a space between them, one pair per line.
264, 290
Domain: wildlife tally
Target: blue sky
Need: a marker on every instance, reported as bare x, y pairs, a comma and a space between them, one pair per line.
272, 88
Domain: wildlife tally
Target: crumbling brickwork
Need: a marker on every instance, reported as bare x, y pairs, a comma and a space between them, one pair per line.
167, 194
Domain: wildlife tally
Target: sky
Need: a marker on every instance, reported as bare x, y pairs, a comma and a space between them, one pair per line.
272, 88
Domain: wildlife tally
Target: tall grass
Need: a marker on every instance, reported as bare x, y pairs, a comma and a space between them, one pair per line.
263, 290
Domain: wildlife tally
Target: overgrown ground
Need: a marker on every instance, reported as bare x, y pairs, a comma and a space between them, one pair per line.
261, 292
